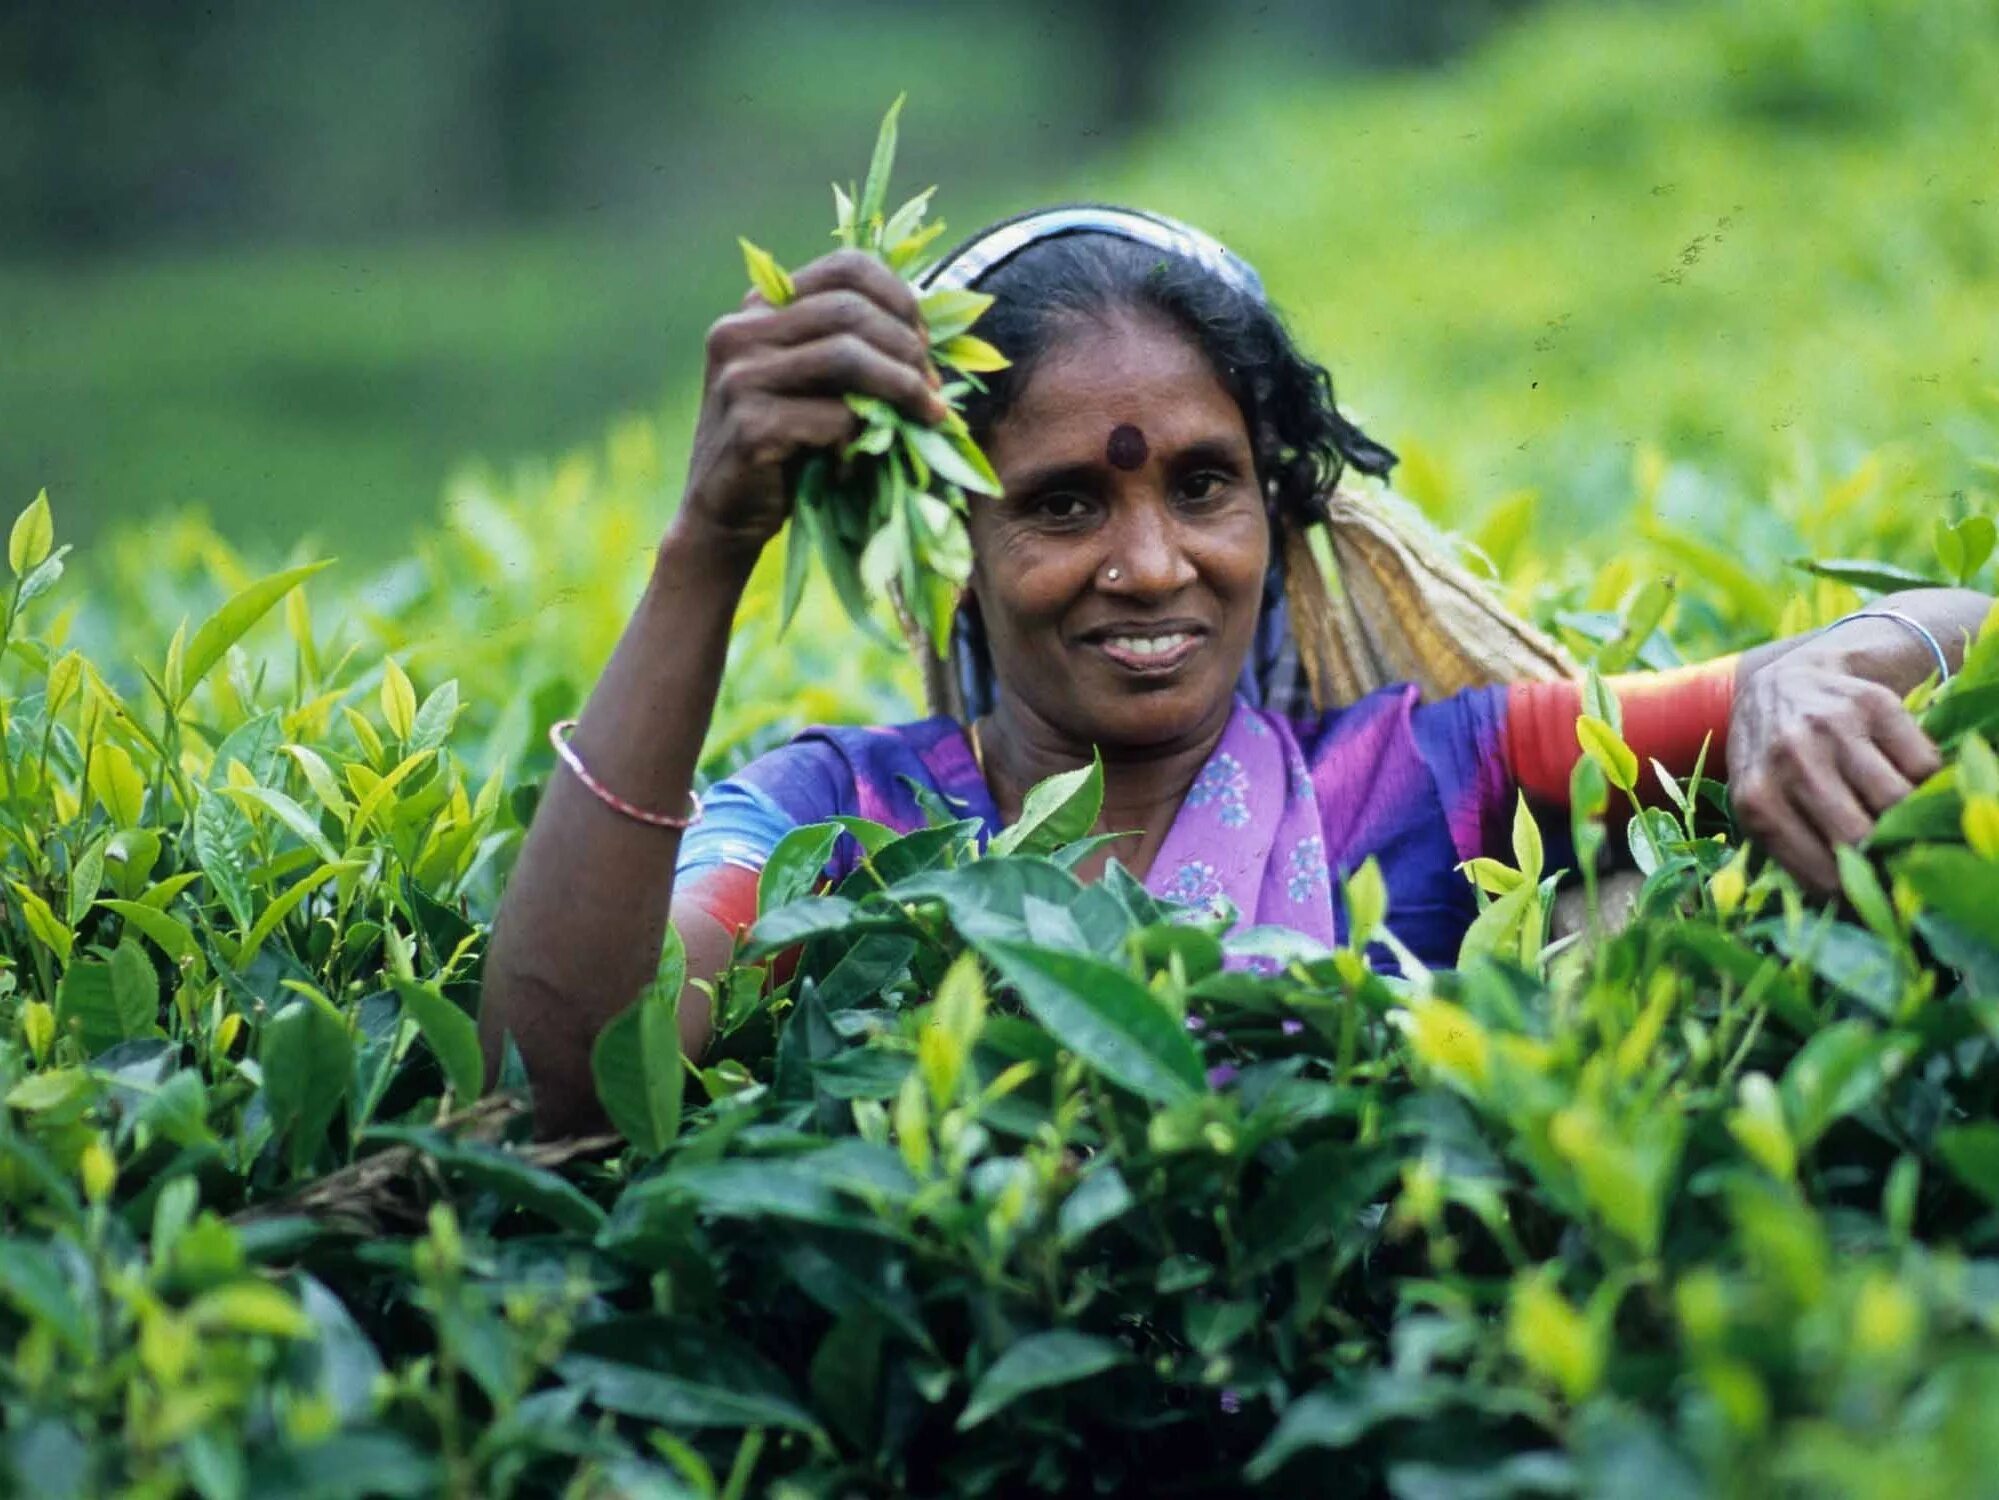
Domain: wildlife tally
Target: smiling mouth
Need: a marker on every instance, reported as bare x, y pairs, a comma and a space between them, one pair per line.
1149, 653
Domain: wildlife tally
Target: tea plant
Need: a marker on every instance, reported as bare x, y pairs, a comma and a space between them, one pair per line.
994, 1182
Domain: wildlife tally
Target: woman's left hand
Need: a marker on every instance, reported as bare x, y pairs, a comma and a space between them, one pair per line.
1816, 753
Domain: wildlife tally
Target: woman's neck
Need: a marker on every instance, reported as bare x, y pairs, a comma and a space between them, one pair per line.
1143, 786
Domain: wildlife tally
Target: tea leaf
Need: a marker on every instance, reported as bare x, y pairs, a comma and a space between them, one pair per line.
319, 776
1882, 578
229, 624
973, 354
120, 789
453, 1036
955, 460
1838, 1071
289, 813
250, 1307
307, 1059
1055, 812
33, 536
41, 920
772, 281
904, 221
874, 192
398, 700
1039, 1362
38, 1288
635, 1063
1105, 1017
795, 865
950, 311
1607, 749
1972, 1154
679, 1372
107, 1003
169, 933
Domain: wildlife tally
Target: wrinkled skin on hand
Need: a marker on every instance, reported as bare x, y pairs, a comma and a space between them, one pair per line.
1816, 754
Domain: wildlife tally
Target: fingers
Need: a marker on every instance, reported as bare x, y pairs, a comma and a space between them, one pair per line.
1787, 836
860, 272
842, 311
1901, 738
1874, 778
1823, 799
773, 428
838, 364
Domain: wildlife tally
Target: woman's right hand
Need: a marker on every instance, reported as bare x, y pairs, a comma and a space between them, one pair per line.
775, 384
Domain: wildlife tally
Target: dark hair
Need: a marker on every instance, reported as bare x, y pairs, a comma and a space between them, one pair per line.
1301, 441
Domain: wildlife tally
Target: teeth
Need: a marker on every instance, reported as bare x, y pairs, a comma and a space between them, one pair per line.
1149, 645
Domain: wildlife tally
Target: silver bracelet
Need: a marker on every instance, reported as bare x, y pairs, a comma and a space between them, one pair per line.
1936, 650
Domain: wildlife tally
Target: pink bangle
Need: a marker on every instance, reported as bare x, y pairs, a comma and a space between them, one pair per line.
558, 737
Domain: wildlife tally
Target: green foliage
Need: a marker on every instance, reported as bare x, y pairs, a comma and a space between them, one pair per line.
994, 1182
998, 1182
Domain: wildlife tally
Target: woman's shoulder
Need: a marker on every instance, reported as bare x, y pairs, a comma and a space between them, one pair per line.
1445, 757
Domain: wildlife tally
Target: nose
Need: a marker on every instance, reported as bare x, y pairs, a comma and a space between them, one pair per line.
1147, 551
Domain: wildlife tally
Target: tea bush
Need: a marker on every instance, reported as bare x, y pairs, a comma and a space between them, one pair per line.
1012, 1183
1016, 1185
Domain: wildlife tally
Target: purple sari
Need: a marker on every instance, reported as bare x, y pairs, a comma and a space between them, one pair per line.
1282, 811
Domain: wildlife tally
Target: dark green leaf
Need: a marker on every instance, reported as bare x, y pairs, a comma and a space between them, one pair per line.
1105, 1017
351, 1465
222, 836
1972, 1153
1864, 573
1057, 811
795, 865
1314, 1201
813, 916
39, 1291
112, 1002
863, 1073
636, 1061
308, 1060
1099, 1198
1839, 1070
682, 1373
1039, 1362
453, 1036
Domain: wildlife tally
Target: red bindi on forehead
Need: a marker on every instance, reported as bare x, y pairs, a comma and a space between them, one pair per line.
1126, 448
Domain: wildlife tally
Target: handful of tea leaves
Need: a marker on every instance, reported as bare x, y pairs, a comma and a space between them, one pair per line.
886, 513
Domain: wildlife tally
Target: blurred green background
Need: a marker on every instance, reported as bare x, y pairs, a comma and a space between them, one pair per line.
293, 265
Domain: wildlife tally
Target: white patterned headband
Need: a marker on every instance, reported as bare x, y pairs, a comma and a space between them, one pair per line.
965, 266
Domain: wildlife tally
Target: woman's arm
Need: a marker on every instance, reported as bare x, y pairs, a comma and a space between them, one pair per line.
1819, 744
578, 933
1809, 732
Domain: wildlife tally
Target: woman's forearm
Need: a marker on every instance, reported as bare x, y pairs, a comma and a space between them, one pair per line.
1887, 651
578, 934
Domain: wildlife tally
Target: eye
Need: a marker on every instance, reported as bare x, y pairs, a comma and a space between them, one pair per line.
1205, 484
1058, 506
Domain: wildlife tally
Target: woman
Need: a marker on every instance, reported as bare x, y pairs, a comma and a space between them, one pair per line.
1162, 446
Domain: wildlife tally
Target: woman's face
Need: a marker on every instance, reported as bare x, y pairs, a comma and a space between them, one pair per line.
1120, 573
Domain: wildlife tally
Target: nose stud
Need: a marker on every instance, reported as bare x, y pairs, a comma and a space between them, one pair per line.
1113, 575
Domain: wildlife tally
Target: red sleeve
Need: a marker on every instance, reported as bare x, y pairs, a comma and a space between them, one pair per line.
1667, 718
728, 893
